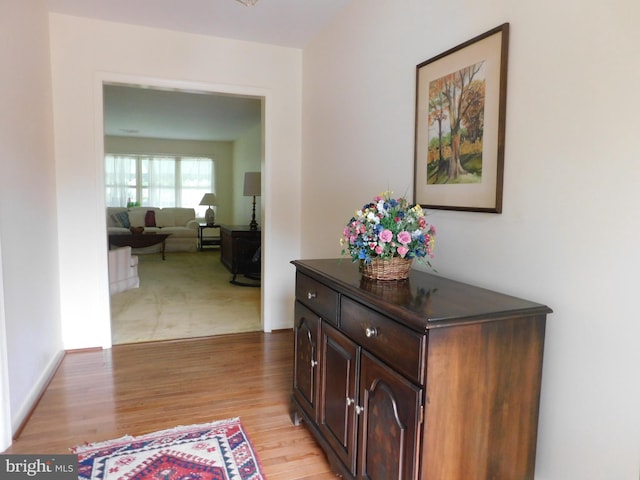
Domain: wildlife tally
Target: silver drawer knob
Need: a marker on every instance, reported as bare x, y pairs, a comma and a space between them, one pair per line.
313, 363
312, 295
371, 332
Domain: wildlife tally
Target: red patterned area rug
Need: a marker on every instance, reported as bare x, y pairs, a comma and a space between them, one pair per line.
212, 451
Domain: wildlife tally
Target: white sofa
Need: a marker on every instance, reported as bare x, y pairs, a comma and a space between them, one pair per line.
181, 223
123, 270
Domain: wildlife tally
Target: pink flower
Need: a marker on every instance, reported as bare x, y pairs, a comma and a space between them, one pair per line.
404, 237
402, 250
386, 235
379, 250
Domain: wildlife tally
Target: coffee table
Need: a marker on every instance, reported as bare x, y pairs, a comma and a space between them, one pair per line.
139, 240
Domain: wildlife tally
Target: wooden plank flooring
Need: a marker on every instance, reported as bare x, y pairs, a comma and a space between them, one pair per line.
140, 388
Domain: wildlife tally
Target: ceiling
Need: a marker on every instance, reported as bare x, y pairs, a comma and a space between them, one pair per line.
287, 23
156, 113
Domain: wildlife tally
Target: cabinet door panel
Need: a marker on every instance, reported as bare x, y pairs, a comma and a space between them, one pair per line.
306, 357
389, 423
339, 379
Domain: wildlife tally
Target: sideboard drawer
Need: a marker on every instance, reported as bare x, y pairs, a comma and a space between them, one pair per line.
318, 297
395, 344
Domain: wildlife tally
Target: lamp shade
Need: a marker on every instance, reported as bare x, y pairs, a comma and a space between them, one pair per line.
252, 184
208, 199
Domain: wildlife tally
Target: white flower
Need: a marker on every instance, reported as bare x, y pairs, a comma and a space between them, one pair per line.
372, 217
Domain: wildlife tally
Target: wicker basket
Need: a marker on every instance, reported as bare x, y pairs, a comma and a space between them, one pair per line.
395, 268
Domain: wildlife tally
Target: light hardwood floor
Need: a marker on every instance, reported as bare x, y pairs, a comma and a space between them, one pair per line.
134, 389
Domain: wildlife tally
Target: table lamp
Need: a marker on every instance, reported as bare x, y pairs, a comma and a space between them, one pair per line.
209, 216
252, 189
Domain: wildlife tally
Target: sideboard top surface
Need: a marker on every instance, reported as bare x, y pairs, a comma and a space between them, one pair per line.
424, 300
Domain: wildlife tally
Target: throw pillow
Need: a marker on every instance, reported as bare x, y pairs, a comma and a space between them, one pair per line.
121, 219
150, 219
136, 216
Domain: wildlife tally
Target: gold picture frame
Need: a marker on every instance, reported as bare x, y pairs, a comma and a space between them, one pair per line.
460, 125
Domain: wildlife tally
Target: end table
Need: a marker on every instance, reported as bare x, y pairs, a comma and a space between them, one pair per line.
207, 240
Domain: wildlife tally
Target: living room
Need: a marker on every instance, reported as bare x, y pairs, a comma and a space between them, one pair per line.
339, 119
166, 149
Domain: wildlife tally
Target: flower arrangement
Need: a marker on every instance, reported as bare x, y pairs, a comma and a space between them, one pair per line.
388, 228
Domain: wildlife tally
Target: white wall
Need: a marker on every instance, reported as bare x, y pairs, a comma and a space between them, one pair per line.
120, 53
31, 338
569, 230
6, 430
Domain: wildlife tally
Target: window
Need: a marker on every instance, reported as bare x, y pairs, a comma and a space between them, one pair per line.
157, 181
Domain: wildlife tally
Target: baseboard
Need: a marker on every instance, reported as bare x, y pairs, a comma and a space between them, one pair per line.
36, 394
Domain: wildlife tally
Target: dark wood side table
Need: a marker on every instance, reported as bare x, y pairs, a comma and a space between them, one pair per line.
140, 241
207, 240
239, 251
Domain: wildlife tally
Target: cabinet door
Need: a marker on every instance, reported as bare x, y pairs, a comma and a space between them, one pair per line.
305, 368
339, 376
390, 422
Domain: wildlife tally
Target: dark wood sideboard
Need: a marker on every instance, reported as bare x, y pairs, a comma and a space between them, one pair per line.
238, 247
426, 378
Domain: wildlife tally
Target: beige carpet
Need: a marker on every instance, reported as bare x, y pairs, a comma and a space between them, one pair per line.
188, 295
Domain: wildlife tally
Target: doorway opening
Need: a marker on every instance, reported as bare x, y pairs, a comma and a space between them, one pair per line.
187, 294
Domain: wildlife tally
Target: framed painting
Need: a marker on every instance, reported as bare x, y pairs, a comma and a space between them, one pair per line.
460, 125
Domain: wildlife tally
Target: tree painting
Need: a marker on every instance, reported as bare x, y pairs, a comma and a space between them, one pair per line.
456, 126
